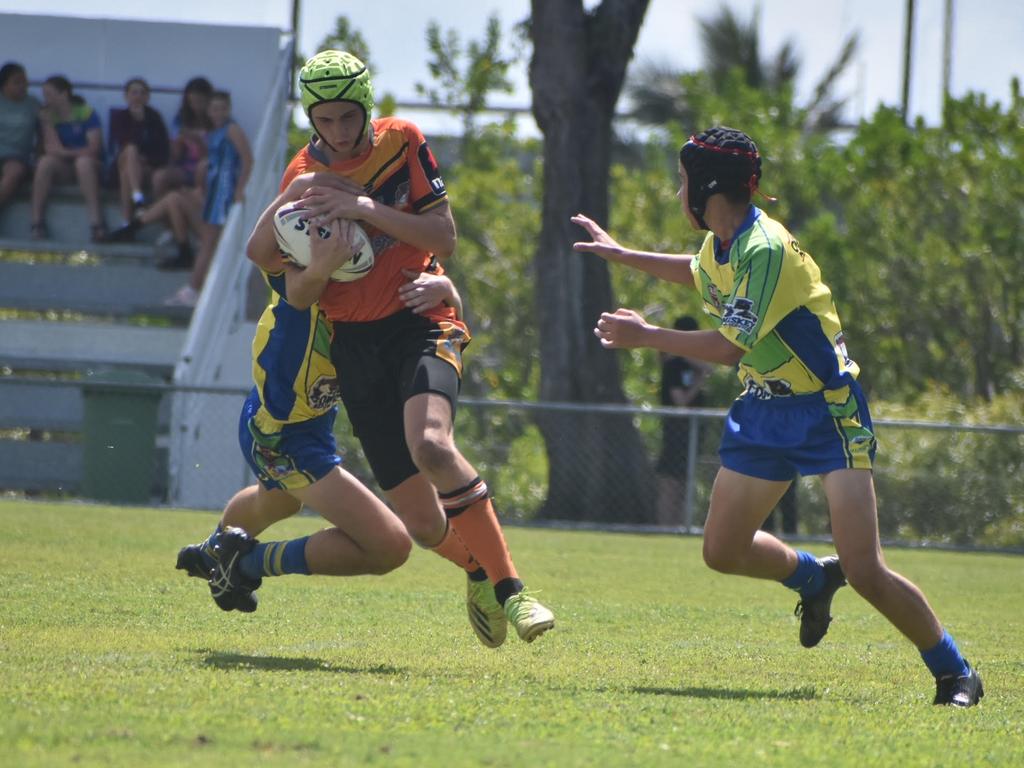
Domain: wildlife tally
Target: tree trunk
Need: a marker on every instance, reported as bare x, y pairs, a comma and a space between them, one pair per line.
598, 466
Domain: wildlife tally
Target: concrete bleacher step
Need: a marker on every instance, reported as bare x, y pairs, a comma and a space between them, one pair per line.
104, 289
126, 253
66, 217
35, 345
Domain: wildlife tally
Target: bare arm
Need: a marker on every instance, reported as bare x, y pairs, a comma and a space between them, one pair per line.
674, 268
433, 231
94, 144
626, 329
238, 138
261, 249
304, 286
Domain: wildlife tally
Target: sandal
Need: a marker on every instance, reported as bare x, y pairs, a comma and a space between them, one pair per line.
99, 233
40, 231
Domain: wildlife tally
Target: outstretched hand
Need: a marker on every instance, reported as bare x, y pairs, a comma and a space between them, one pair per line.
622, 329
601, 243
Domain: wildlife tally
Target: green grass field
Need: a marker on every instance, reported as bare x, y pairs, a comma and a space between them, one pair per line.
109, 657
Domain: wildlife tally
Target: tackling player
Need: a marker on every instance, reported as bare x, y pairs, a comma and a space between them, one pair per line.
286, 435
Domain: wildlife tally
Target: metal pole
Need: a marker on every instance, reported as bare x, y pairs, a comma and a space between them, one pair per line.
691, 473
947, 51
908, 41
296, 4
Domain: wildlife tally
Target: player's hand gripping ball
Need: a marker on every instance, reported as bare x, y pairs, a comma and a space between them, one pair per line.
293, 230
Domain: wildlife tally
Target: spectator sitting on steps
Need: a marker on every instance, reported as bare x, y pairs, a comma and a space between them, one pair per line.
138, 145
189, 127
182, 210
72, 147
230, 162
19, 128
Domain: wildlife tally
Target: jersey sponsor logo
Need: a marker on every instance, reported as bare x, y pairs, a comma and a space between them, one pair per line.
402, 195
273, 464
381, 242
767, 389
429, 165
740, 315
324, 393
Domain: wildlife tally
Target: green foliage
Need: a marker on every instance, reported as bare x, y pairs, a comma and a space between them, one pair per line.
346, 37
918, 232
494, 186
465, 89
113, 658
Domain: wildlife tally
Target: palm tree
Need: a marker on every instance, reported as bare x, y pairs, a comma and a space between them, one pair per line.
659, 96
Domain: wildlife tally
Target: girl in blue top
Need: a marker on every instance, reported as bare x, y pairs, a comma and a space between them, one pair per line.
229, 164
72, 148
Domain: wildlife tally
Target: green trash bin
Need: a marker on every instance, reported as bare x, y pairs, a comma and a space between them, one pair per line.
119, 436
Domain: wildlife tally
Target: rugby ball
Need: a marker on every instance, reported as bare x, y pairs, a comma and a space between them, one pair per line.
293, 230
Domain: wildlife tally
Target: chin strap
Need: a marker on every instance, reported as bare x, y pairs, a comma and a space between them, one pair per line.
753, 186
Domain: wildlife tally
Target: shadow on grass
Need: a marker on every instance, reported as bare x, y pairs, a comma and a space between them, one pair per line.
796, 694
221, 660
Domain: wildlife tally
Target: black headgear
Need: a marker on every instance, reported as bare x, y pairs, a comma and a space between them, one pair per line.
719, 159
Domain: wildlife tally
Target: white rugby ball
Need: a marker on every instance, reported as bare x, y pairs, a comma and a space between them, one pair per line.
293, 230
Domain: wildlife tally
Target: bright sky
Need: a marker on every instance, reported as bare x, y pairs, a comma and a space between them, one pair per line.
987, 49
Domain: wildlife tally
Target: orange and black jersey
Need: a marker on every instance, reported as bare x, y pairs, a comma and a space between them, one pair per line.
398, 170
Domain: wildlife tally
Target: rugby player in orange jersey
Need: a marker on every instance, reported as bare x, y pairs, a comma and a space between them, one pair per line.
397, 347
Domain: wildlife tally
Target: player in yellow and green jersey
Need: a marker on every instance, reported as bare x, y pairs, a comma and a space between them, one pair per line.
286, 435
801, 410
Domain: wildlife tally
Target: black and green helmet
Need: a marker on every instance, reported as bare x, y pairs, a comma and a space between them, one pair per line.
336, 76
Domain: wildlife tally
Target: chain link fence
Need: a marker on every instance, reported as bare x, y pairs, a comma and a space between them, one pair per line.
938, 483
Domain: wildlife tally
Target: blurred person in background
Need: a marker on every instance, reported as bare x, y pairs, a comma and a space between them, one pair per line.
19, 129
138, 146
227, 172
72, 149
682, 385
189, 129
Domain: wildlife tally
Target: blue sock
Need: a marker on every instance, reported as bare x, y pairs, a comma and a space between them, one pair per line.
206, 548
276, 558
809, 576
945, 658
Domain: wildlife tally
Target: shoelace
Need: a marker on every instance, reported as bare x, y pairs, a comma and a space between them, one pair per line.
220, 578
522, 607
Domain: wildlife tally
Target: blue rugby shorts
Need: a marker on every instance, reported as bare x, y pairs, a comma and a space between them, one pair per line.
780, 437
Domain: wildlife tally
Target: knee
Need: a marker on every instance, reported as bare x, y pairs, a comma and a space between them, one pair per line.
867, 577
427, 531
392, 554
718, 556
45, 167
85, 165
432, 452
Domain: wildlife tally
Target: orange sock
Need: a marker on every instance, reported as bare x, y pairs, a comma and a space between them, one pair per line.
471, 514
454, 549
